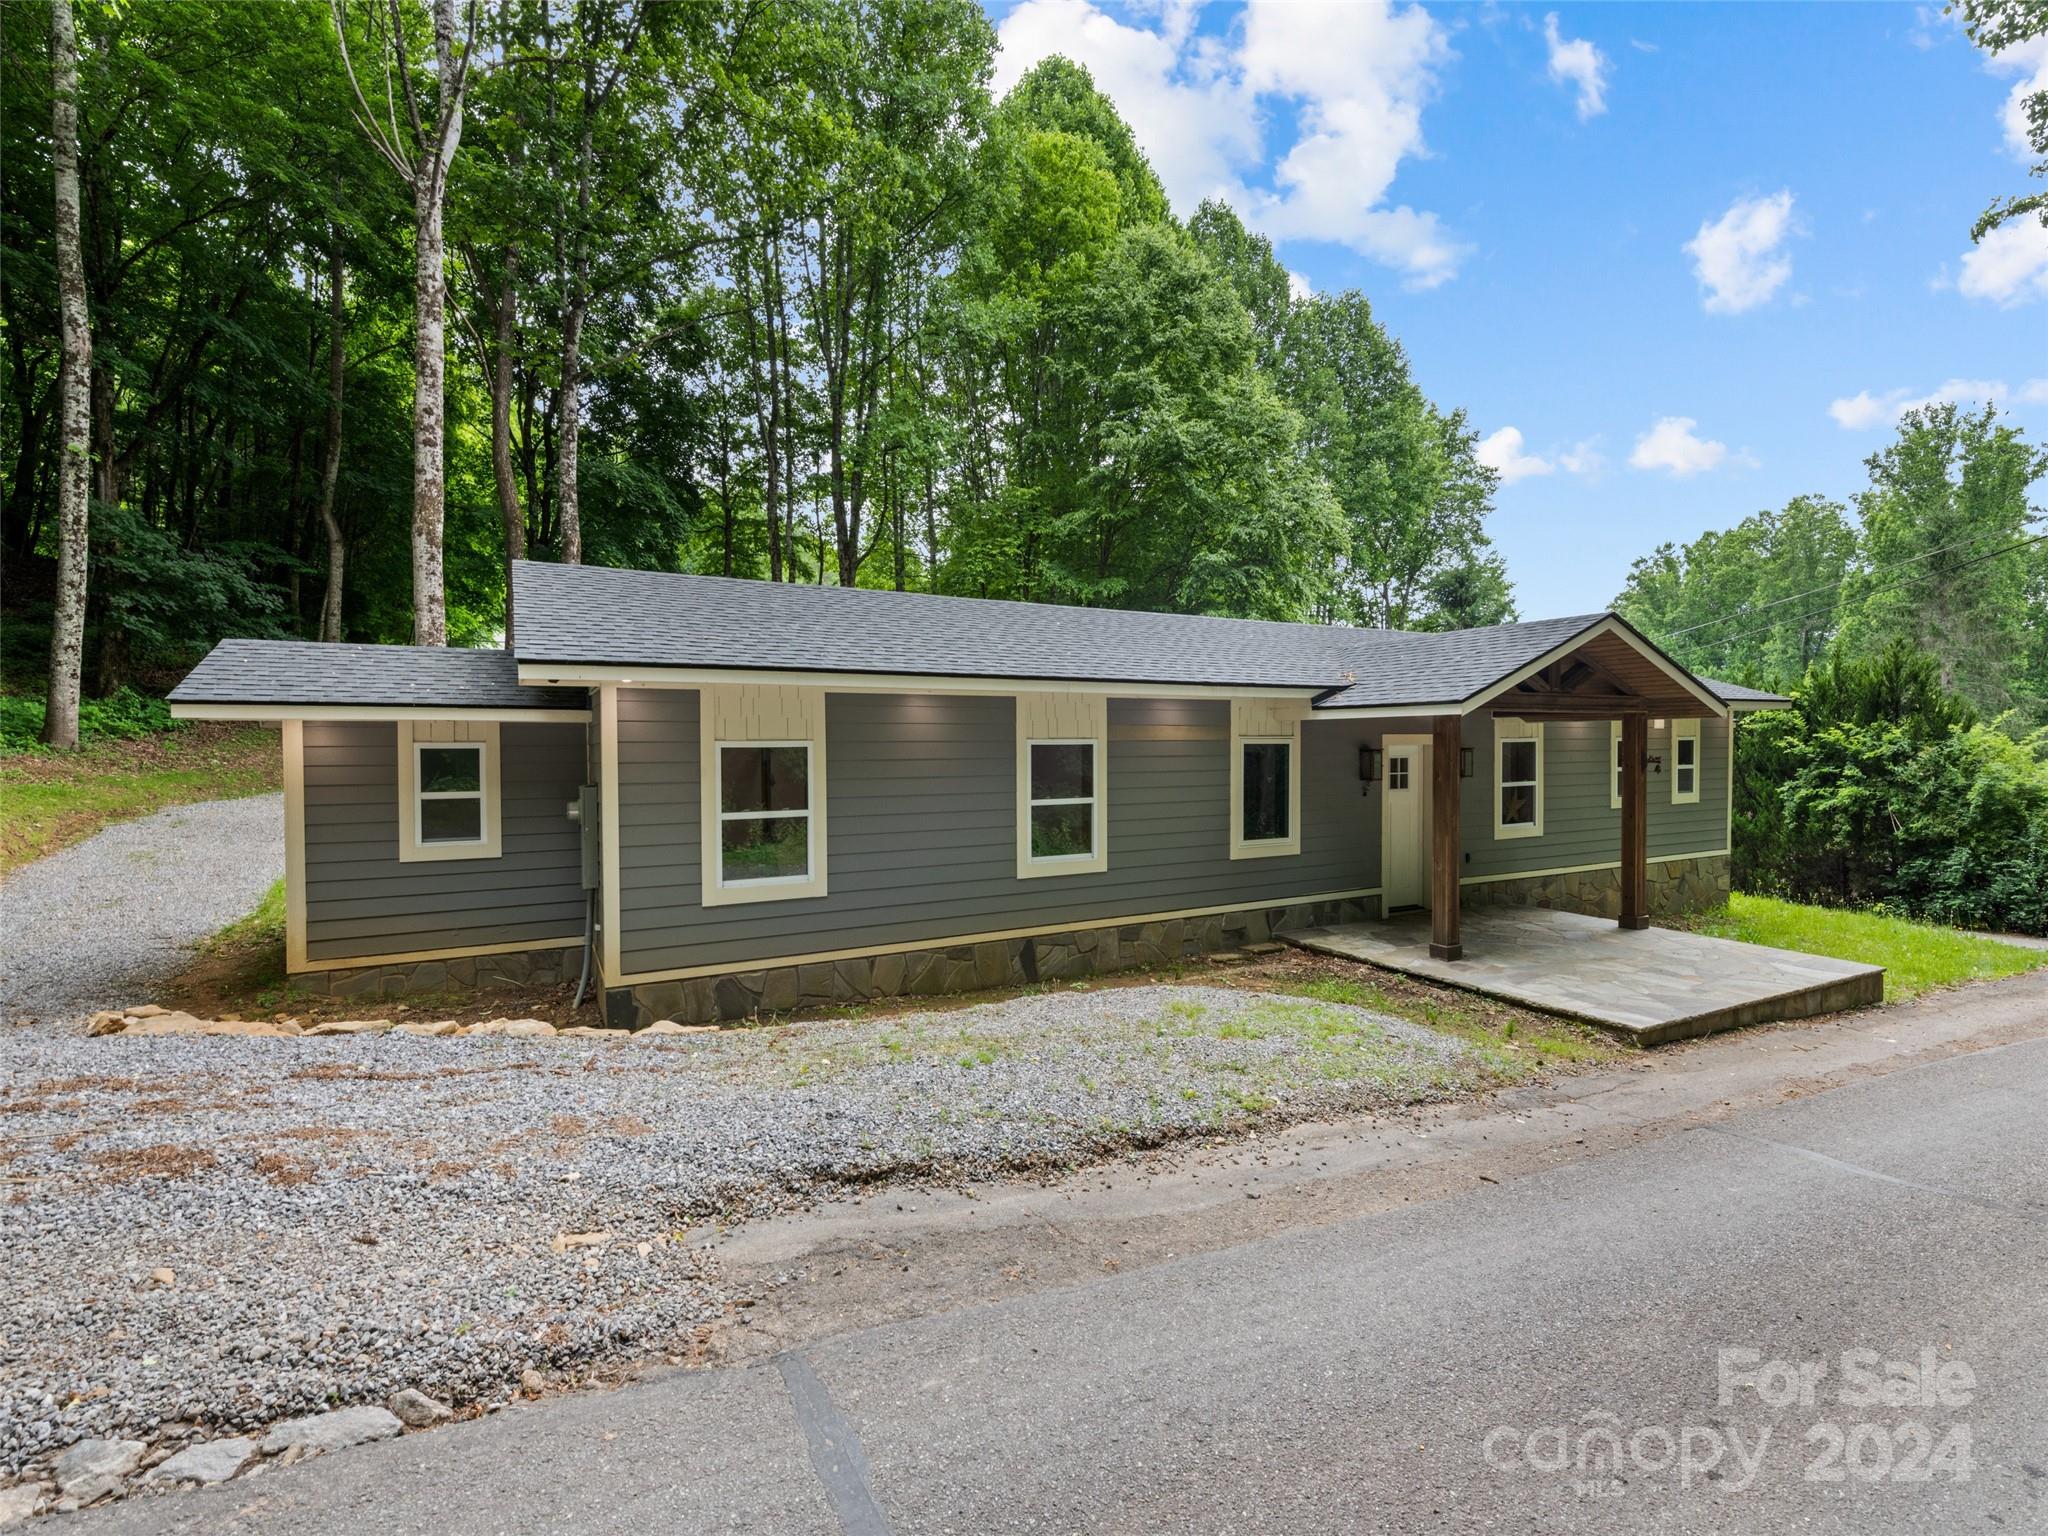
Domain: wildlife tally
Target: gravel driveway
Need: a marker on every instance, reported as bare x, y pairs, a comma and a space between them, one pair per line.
229, 1231
95, 925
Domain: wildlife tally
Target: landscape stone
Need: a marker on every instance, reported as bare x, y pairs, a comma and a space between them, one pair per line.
416, 1410
89, 1459
20, 1502
349, 1026
215, 1461
332, 1431
433, 1030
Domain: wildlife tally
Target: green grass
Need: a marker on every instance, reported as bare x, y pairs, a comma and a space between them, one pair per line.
1511, 1047
49, 800
263, 926
1917, 957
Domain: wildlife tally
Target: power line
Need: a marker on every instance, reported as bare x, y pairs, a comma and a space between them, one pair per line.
1727, 640
1744, 613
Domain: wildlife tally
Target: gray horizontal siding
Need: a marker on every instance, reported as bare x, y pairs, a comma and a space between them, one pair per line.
922, 831
1580, 826
360, 900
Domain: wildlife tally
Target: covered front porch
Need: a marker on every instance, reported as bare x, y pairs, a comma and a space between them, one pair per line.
1649, 985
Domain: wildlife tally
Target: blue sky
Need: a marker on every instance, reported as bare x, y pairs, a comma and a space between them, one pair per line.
1678, 263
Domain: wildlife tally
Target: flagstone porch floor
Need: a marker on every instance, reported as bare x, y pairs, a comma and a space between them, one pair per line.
1648, 984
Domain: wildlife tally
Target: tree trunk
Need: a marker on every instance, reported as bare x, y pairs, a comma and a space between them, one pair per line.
568, 404
330, 453
509, 510
74, 446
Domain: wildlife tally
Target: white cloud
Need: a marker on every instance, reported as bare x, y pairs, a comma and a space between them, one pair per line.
1672, 446
2009, 265
1640, 46
1299, 288
1739, 258
1576, 62
1583, 458
1502, 452
1862, 411
2028, 60
1353, 77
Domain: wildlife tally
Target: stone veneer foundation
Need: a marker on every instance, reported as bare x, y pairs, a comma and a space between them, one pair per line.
1676, 886
522, 968
944, 969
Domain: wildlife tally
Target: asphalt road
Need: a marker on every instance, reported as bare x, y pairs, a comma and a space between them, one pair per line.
1424, 1369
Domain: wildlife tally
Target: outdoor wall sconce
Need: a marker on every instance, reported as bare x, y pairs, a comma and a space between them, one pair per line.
1368, 764
1654, 763
1464, 762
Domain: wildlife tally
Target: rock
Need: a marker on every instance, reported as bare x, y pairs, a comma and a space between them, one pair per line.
162, 1276
90, 1459
20, 1501
146, 1011
438, 1028
214, 1462
332, 1431
416, 1410
592, 1032
513, 1029
91, 1490
532, 1381
349, 1026
564, 1241
107, 1024
164, 1022
671, 1027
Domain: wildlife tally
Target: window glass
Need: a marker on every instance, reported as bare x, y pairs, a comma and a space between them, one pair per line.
1063, 831
1518, 782
1265, 811
446, 770
1062, 770
764, 778
452, 821
1397, 772
1687, 750
1619, 760
765, 848
1518, 762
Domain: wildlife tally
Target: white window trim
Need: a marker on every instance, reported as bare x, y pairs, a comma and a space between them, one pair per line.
719, 891
413, 735
1505, 730
1264, 720
1032, 866
1686, 730
1614, 765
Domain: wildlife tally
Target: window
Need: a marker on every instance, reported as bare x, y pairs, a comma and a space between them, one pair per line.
1265, 778
1264, 808
1614, 752
764, 813
447, 790
1518, 778
761, 769
1397, 771
1062, 795
1685, 761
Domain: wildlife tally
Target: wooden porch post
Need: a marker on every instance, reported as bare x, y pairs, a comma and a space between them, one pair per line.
1444, 844
1635, 822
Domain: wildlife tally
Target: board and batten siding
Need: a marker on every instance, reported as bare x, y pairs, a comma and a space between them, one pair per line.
922, 829
361, 901
1580, 824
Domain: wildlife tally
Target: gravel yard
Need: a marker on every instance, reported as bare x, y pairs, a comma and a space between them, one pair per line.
95, 925
228, 1231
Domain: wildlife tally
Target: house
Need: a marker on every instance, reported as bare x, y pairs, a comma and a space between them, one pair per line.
735, 796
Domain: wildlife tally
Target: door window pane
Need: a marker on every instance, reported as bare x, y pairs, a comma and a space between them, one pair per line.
1397, 773
1266, 813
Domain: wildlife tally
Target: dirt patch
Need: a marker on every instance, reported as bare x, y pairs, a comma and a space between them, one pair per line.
165, 1161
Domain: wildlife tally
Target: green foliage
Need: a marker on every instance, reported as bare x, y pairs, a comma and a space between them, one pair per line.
1879, 789
2006, 27
124, 715
1916, 956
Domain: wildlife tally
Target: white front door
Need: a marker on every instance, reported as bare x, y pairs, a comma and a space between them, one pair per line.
1404, 826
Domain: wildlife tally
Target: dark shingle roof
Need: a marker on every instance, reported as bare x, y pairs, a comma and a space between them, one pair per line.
1451, 666
305, 672
1736, 693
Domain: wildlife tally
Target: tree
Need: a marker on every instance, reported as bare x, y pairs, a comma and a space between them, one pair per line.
1998, 26
330, 449
1946, 529
74, 440
422, 154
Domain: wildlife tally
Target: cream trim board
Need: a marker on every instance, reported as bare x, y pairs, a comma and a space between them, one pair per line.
1254, 721
1507, 728
1582, 869
413, 737
945, 941
1063, 719
1607, 626
1728, 800
761, 715
373, 712
608, 821
294, 750
465, 952
543, 673
1614, 765
1686, 730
